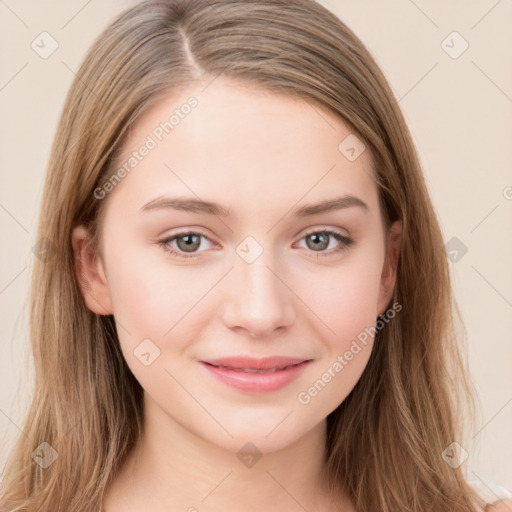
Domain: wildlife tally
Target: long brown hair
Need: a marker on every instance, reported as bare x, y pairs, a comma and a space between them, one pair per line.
385, 441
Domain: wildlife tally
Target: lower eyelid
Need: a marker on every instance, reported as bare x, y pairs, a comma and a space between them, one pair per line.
166, 242
333, 234
344, 242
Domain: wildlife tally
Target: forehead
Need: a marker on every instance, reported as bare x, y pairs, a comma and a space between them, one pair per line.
238, 141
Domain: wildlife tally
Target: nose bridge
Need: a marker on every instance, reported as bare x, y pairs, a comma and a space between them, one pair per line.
258, 300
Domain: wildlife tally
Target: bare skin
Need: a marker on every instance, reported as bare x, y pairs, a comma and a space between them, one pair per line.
499, 506
262, 156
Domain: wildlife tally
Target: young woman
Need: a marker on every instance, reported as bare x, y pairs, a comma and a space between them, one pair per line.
245, 301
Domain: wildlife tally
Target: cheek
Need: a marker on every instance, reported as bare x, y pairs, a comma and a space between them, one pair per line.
345, 298
156, 311
155, 300
347, 317
147, 288
345, 306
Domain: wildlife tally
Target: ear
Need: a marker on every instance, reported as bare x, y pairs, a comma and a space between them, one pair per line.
389, 270
90, 273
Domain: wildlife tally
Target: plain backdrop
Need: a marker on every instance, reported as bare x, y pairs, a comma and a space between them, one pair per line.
450, 67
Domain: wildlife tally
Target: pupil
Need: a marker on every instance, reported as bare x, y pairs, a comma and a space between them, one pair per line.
316, 238
190, 241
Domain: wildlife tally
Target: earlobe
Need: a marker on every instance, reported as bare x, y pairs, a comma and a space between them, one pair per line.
389, 271
90, 273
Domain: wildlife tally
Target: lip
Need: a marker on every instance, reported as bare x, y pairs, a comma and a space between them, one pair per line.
253, 363
260, 375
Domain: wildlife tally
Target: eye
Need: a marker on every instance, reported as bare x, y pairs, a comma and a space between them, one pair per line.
189, 242
319, 240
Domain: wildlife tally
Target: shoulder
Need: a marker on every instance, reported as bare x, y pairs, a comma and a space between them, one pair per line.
496, 497
500, 506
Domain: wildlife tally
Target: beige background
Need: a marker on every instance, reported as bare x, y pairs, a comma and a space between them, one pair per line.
459, 111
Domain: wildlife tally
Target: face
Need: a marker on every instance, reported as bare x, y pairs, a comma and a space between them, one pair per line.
260, 275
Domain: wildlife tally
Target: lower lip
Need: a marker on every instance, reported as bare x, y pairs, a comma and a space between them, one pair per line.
257, 382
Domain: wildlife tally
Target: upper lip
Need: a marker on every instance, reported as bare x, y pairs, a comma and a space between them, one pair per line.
251, 363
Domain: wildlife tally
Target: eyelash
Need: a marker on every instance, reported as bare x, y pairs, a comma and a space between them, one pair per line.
346, 243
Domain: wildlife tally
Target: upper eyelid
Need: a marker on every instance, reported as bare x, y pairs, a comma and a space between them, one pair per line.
310, 231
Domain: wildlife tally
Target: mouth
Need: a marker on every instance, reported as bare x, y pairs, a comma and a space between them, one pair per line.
252, 370
273, 363
256, 376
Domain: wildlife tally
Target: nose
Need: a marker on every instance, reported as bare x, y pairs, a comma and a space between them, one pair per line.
258, 299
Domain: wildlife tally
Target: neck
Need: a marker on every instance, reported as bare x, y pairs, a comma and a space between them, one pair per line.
173, 469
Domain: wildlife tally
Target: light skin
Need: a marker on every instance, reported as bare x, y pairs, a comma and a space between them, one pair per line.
261, 156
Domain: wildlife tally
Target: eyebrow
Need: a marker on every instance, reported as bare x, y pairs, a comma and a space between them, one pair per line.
193, 205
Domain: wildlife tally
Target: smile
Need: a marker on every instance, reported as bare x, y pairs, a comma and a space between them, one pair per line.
256, 380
